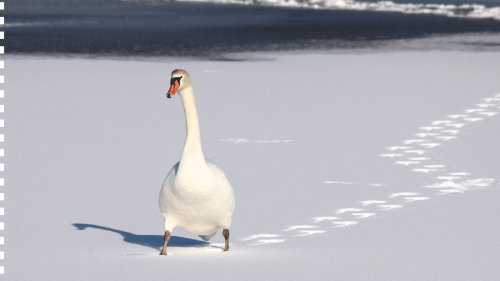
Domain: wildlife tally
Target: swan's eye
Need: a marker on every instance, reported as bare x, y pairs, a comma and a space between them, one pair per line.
175, 79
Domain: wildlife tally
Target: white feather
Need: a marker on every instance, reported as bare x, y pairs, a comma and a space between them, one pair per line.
196, 194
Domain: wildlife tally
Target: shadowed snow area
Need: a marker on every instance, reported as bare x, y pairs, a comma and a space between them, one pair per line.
153, 241
375, 166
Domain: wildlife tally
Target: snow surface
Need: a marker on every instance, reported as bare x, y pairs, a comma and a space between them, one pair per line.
89, 142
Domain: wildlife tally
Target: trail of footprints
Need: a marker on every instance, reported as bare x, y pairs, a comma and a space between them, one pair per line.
411, 154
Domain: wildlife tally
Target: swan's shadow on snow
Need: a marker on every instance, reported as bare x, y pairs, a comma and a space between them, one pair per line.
152, 241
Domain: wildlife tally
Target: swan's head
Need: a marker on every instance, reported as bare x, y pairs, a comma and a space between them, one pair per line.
178, 81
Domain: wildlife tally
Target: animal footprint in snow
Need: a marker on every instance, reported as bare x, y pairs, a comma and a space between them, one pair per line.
412, 141
344, 223
340, 211
427, 171
489, 114
473, 184
363, 215
449, 178
420, 159
319, 219
341, 182
423, 135
448, 191
406, 163
459, 174
309, 232
261, 236
413, 199
488, 100
430, 128
445, 184
473, 119
485, 104
455, 125
474, 110
290, 228
390, 207
391, 155
369, 202
476, 184
264, 241
394, 195
392, 148
419, 152
458, 116
268, 241
441, 122
446, 138
451, 131
435, 166
430, 145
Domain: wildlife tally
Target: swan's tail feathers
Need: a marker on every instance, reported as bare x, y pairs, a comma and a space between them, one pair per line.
207, 237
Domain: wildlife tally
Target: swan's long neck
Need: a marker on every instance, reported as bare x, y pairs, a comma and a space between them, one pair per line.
192, 160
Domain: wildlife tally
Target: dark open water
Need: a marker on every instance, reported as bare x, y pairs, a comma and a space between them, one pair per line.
159, 28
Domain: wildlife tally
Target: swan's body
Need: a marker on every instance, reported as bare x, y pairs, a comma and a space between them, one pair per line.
200, 204
196, 194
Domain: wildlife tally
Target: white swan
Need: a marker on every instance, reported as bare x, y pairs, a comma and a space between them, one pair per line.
196, 194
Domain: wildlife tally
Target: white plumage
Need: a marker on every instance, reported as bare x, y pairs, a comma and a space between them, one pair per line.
196, 194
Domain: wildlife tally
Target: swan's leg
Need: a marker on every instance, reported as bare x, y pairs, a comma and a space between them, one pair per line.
225, 233
169, 226
165, 238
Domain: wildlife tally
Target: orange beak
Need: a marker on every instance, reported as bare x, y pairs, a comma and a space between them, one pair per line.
173, 89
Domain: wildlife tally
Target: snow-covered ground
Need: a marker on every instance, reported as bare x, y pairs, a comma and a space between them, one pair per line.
374, 166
